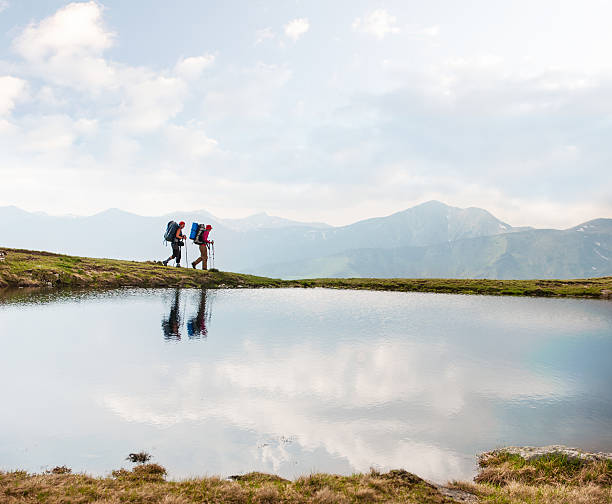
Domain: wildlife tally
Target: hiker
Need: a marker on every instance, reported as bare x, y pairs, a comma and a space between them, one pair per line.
203, 249
177, 243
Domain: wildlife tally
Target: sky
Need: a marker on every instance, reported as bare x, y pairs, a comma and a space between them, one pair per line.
315, 110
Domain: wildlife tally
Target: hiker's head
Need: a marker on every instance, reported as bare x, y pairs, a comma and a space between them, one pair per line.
181, 224
208, 226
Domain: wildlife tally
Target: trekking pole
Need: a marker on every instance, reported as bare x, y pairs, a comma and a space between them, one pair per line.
186, 254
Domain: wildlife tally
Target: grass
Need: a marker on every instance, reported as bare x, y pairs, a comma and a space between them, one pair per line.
146, 484
26, 268
508, 478
505, 478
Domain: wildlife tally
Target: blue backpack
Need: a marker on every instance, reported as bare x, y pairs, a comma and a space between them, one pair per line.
171, 230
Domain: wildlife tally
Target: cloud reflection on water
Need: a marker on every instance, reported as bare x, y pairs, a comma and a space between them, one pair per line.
379, 403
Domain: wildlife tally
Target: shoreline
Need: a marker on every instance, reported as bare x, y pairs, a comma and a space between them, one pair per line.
512, 475
36, 269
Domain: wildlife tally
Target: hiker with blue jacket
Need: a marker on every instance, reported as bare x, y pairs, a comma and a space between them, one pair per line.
177, 243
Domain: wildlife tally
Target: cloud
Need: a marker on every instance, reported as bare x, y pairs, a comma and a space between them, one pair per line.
12, 89
249, 93
378, 23
150, 102
189, 142
192, 68
263, 35
4, 4
428, 31
296, 28
66, 47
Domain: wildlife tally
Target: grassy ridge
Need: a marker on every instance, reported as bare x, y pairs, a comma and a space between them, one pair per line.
25, 268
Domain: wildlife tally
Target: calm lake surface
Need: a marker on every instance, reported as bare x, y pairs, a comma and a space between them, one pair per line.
293, 381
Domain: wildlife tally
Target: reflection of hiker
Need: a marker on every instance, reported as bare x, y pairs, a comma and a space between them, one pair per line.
171, 325
177, 243
196, 327
203, 249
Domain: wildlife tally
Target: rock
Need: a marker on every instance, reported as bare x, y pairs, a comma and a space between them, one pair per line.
606, 294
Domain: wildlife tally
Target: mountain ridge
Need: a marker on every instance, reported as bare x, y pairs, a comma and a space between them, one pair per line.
430, 239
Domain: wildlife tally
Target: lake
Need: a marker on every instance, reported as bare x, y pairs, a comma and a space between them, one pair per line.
294, 381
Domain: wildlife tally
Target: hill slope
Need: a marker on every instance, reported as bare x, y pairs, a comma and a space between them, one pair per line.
25, 268
583, 251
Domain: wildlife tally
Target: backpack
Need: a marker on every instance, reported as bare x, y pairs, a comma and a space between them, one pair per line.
198, 234
171, 230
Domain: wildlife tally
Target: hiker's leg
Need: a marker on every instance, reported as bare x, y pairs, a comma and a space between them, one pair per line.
176, 252
204, 256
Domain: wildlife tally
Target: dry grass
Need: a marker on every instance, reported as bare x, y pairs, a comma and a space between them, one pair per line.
521, 493
502, 468
146, 485
505, 479
553, 478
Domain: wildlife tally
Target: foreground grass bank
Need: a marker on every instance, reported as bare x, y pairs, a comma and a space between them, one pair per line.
505, 477
25, 268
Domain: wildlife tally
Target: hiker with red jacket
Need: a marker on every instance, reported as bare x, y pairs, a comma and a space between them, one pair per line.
203, 249
177, 243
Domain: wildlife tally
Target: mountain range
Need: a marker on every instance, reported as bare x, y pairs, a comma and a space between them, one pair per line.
428, 240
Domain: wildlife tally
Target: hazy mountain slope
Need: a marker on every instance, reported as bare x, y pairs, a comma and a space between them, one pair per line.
584, 251
241, 244
263, 220
431, 239
425, 224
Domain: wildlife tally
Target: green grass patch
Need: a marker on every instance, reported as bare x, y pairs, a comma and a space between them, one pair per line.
26, 268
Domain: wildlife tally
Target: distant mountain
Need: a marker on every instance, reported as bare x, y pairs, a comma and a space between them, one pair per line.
432, 239
263, 220
580, 252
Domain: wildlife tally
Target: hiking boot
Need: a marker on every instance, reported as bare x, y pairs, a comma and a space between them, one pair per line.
193, 265
165, 263
178, 265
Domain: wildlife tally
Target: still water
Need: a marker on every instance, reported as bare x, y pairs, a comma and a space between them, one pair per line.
294, 381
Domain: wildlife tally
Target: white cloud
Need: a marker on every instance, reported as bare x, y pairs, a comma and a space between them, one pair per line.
66, 47
189, 142
12, 89
296, 28
428, 31
263, 35
192, 68
45, 137
378, 23
249, 92
75, 28
4, 4
149, 101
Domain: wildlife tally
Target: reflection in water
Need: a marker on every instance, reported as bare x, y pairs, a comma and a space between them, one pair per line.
172, 323
353, 379
196, 326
